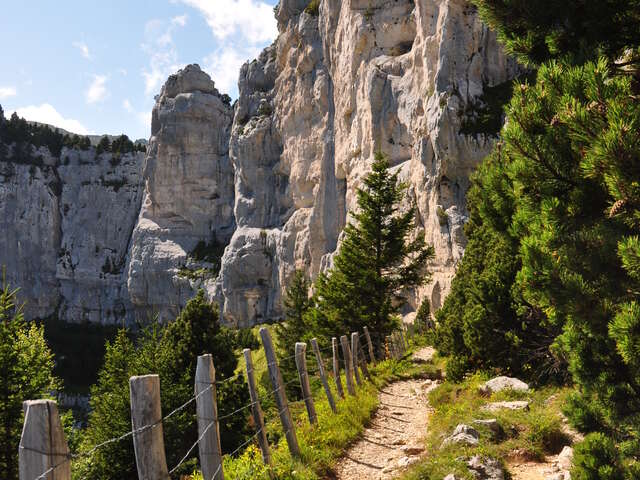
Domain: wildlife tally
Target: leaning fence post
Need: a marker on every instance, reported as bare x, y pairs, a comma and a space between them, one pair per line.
363, 362
43, 448
336, 366
146, 420
301, 364
207, 413
323, 376
348, 365
369, 345
280, 394
354, 356
256, 409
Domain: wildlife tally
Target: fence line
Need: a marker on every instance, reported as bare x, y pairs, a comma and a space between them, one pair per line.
146, 390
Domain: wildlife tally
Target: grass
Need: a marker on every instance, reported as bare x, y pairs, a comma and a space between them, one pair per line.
323, 444
531, 434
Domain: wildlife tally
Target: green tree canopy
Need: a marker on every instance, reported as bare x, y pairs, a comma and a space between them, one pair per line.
171, 352
378, 262
539, 30
26, 373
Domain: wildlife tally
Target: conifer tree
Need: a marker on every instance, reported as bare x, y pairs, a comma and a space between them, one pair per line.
171, 352
377, 263
26, 373
296, 327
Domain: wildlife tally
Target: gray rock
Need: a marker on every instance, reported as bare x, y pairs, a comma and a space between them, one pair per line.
451, 476
498, 384
463, 434
565, 458
484, 468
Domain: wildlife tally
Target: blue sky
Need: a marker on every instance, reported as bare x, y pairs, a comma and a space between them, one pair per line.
94, 67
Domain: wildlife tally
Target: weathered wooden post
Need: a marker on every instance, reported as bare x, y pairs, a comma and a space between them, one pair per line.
43, 448
256, 409
363, 362
323, 375
336, 366
207, 413
354, 355
146, 420
280, 394
369, 345
348, 365
301, 364
405, 342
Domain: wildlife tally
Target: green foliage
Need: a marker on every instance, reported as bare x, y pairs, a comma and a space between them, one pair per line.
535, 433
313, 8
296, 327
378, 262
597, 458
26, 373
540, 30
171, 352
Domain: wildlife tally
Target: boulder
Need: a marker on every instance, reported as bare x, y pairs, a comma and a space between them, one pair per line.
498, 384
463, 434
485, 468
565, 458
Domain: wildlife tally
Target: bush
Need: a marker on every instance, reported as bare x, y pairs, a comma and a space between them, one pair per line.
597, 458
313, 8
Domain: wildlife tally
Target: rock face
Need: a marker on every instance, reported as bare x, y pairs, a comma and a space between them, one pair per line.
362, 76
188, 195
236, 199
66, 225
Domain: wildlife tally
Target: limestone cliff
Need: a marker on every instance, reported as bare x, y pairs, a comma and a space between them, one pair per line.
66, 225
234, 199
337, 85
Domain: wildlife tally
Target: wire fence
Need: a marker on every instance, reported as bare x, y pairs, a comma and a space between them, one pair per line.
314, 371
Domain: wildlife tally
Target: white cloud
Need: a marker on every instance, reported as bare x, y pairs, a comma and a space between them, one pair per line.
180, 20
97, 91
144, 118
6, 92
252, 19
84, 49
224, 65
163, 56
45, 113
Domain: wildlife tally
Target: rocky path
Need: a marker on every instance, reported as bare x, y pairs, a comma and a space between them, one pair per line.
393, 439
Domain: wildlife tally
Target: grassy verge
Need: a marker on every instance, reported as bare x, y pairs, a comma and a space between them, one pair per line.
526, 435
323, 444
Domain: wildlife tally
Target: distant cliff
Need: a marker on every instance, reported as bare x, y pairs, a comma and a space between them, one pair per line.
237, 197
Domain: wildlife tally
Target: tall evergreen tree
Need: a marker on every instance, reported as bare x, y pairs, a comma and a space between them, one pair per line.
171, 352
26, 372
378, 261
296, 327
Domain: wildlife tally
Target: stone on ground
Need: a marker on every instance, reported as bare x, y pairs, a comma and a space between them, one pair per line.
463, 434
498, 384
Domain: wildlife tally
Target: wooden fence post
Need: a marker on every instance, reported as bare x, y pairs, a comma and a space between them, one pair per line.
348, 365
354, 356
323, 376
301, 364
369, 345
405, 342
43, 447
207, 414
363, 362
146, 420
336, 366
256, 409
280, 394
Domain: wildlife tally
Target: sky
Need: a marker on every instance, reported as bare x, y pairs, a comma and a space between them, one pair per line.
94, 67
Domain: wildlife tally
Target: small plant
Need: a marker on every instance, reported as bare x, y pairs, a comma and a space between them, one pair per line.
443, 216
368, 13
313, 8
265, 109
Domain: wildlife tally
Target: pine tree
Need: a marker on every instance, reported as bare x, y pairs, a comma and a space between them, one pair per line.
26, 372
296, 327
171, 352
377, 263
574, 30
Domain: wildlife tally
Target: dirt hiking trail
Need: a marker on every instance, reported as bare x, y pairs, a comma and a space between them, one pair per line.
393, 439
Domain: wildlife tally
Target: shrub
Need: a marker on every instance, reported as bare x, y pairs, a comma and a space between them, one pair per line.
313, 8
